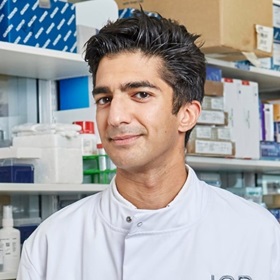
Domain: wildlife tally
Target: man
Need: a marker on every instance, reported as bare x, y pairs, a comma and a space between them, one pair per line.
156, 220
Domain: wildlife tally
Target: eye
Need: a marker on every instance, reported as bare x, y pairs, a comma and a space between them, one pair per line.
103, 100
142, 95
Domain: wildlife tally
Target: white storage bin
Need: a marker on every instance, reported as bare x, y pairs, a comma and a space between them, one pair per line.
61, 158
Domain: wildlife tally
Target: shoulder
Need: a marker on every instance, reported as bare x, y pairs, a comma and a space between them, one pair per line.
238, 209
69, 217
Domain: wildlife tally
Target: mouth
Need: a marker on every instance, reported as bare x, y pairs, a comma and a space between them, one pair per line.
123, 140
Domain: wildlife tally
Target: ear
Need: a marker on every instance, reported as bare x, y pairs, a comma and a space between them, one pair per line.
188, 115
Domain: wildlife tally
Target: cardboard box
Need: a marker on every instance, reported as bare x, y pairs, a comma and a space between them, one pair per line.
213, 73
28, 23
243, 121
210, 148
213, 88
213, 103
228, 27
269, 150
213, 117
210, 132
272, 200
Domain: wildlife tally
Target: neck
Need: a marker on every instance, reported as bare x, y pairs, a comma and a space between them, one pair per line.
151, 190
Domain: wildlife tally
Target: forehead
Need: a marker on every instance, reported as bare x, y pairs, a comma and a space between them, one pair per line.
129, 65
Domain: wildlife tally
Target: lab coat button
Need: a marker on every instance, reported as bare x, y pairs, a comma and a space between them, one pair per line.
139, 224
128, 219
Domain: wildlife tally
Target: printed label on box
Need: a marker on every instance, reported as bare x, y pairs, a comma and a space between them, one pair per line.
213, 147
203, 132
223, 133
264, 38
212, 117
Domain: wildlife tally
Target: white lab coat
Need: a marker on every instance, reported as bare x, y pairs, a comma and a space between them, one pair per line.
206, 233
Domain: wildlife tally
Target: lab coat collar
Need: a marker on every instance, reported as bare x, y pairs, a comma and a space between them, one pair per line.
185, 210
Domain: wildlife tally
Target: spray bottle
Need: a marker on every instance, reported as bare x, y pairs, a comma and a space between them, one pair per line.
10, 241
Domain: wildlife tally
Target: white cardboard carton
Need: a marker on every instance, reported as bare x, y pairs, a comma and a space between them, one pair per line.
241, 101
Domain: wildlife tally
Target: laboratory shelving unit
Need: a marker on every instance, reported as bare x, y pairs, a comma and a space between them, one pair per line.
46, 64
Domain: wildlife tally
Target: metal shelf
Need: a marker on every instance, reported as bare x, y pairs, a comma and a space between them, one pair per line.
12, 188
46, 64
196, 162
7, 275
268, 80
232, 164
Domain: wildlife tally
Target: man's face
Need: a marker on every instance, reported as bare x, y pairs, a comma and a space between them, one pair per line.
134, 112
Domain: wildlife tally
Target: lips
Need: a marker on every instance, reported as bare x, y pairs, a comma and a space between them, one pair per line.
124, 139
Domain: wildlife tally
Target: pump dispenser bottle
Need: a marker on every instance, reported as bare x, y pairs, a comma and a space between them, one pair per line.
10, 241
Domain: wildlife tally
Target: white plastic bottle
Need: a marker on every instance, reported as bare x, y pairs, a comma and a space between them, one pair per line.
10, 241
102, 159
89, 139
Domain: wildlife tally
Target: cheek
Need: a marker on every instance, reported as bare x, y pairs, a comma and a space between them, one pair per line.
101, 123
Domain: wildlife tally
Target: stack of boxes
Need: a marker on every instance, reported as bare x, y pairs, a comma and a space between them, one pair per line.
46, 24
211, 136
224, 37
274, 62
242, 104
229, 123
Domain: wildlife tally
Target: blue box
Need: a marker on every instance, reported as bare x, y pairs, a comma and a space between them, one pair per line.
17, 173
25, 231
213, 73
128, 12
275, 213
270, 150
68, 97
51, 26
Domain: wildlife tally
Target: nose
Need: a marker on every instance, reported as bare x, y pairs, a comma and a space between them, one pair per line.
119, 112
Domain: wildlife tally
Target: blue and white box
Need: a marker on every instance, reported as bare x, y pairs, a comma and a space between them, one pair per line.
46, 24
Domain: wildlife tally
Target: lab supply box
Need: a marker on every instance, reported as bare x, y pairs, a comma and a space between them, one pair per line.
213, 88
213, 73
211, 132
34, 23
241, 101
213, 117
269, 150
210, 148
228, 27
17, 173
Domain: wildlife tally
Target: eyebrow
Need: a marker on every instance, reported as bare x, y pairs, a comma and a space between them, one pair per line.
124, 87
99, 90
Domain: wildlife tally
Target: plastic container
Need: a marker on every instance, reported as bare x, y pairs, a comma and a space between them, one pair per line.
60, 160
9, 242
17, 173
89, 139
102, 157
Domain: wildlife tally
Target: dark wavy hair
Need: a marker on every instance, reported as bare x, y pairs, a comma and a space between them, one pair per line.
183, 63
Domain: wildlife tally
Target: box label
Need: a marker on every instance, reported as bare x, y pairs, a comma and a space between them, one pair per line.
264, 38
